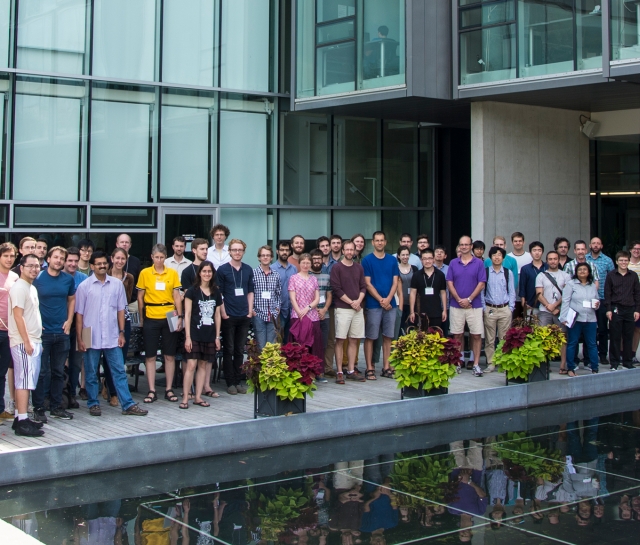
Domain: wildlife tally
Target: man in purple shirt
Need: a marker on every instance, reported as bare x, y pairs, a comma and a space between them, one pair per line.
466, 278
100, 304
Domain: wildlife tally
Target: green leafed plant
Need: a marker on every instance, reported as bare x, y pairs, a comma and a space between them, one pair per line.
276, 514
520, 450
424, 359
421, 479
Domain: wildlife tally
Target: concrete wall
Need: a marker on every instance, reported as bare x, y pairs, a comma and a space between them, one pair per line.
529, 173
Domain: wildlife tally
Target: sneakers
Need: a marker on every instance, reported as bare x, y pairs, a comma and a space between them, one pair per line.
635, 360
114, 401
83, 394
6, 415
357, 377
11, 407
134, 410
241, 389
477, 372
232, 390
38, 425
490, 368
73, 403
95, 410
27, 428
340, 378
39, 416
458, 369
470, 365
60, 413
614, 369
319, 379
603, 360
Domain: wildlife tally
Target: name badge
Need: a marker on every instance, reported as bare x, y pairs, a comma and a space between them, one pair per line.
322, 299
586, 304
265, 295
239, 292
207, 320
428, 291
161, 286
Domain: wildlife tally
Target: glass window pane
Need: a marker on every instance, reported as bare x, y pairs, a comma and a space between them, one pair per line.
120, 144
49, 216
46, 153
545, 30
400, 164
589, 34
245, 47
488, 15
347, 223
123, 217
356, 162
625, 38
306, 162
336, 32
383, 61
51, 35
4, 216
243, 158
305, 49
328, 10
336, 69
123, 39
189, 28
186, 142
251, 225
5, 23
396, 222
427, 166
618, 166
488, 55
311, 224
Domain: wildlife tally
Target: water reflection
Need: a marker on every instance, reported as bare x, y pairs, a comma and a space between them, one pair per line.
574, 482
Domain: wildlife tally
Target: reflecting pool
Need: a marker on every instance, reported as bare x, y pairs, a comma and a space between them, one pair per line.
571, 476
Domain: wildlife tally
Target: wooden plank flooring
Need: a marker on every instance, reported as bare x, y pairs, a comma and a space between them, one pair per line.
164, 416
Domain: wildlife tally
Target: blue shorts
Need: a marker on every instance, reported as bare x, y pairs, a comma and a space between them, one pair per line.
375, 317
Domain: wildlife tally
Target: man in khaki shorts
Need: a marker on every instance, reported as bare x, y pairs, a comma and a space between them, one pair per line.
466, 278
349, 288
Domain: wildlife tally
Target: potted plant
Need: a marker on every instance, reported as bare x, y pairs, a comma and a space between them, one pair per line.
519, 450
278, 513
424, 362
525, 352
421, 477
281, 376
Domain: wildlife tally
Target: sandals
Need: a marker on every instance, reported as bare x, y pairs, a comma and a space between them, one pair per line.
169, 395
151, 397
563, 372
183, 406
572, 373
211, 393
201, 404
370, 374
387, 373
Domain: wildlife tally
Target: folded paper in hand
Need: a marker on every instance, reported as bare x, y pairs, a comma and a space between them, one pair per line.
572, 315
172, 318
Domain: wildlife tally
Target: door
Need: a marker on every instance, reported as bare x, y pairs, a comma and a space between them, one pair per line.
189, 222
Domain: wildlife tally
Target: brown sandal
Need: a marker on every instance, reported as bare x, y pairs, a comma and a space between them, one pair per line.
370, 374
572, 373
563, 372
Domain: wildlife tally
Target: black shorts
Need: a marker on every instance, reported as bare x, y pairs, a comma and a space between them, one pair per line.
151, 330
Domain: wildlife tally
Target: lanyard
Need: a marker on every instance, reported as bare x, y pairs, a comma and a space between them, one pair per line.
233, 272
433, 279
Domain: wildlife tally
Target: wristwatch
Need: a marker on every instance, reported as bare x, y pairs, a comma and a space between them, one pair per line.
121, 331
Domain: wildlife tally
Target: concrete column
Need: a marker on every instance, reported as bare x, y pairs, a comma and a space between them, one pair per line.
529, 173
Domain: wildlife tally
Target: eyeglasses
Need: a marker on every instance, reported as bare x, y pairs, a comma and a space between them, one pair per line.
265, 255
237, 250
31, 266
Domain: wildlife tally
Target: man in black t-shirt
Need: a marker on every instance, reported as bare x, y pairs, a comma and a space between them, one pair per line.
199, 247
429, 287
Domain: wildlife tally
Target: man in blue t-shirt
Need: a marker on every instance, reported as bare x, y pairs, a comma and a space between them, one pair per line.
56, 292
381, 275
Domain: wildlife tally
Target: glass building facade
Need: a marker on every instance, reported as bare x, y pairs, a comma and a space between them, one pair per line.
163, 117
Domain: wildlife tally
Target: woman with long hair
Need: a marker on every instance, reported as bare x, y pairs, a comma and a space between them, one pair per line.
202, 321
360, 243
404, 289
580, 295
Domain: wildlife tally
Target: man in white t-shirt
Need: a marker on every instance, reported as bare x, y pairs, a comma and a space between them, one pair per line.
519, 254
218, 254
549, 286
25, 338
8, 278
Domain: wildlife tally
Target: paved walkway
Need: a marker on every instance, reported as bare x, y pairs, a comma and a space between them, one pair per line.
164, 416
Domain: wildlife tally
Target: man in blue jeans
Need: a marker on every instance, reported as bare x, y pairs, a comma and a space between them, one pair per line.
266, 302
56, 292
101, 301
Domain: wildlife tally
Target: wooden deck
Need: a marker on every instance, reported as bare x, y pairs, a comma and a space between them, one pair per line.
165, 416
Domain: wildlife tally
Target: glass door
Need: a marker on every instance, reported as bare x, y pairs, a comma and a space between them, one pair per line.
189, 222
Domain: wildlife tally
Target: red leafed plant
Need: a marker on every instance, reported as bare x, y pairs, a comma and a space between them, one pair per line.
299, 359
515, 338
452, 354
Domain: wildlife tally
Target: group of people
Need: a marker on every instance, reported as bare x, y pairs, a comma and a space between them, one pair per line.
74, 307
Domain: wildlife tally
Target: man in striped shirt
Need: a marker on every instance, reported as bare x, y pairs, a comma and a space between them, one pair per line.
266, 303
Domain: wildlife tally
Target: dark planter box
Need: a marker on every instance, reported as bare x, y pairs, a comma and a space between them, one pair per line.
269, 404
537, 375
412, 393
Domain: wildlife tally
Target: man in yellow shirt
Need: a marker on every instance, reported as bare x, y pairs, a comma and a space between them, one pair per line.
159, 293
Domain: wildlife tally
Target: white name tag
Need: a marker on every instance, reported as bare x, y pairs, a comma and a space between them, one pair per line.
586, 304
161, 286
408, 291
266, 295
428, 291
207, 321
239, 292
322, 299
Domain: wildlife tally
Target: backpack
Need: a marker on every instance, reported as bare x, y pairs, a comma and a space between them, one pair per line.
506, 278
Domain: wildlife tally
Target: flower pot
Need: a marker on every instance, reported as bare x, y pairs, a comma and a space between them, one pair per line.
410, 393
537, 375
269, 404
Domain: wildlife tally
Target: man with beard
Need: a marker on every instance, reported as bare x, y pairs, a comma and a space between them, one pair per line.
325, 302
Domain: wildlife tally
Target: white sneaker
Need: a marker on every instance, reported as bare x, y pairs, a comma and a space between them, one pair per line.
11, 406
477, 371
490, 368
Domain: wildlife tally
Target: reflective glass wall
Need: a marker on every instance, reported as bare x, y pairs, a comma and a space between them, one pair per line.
507, 39
345, 46
625, 32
